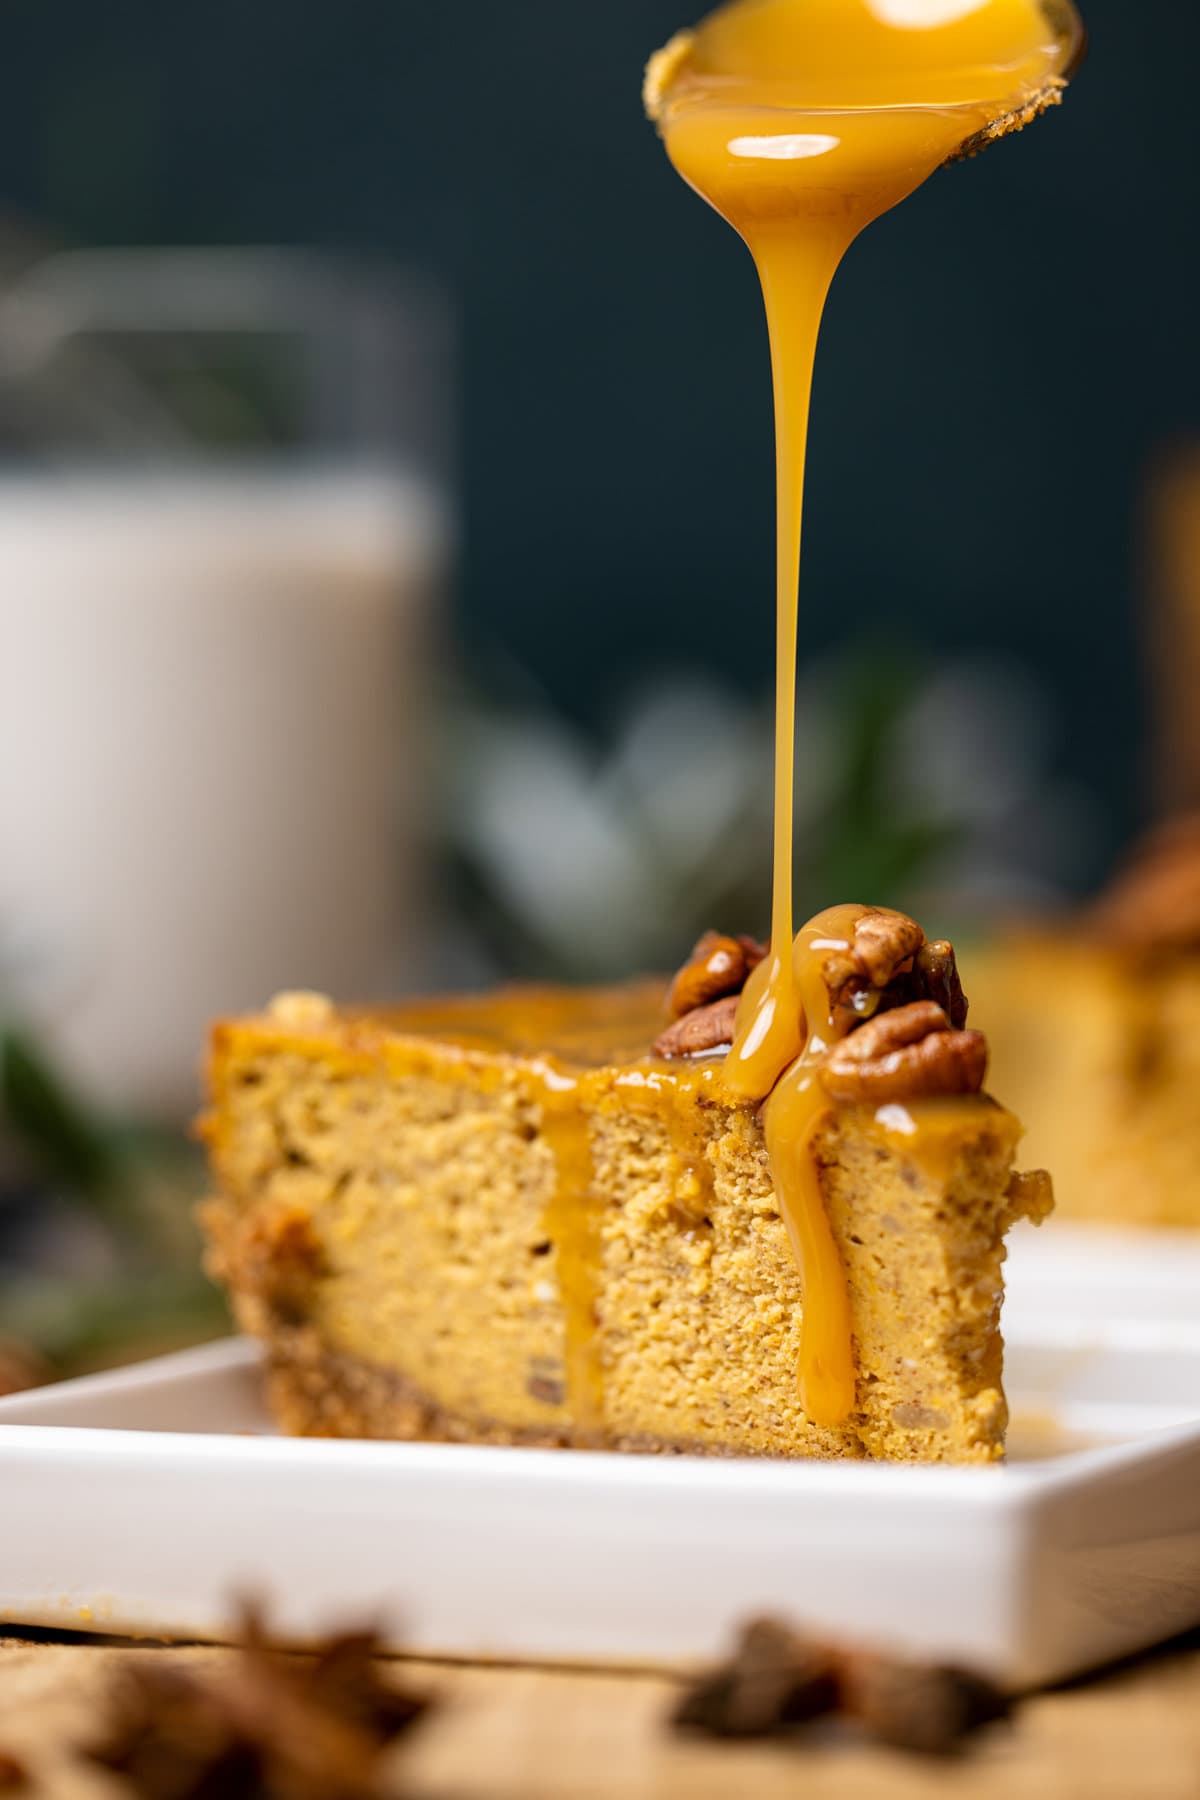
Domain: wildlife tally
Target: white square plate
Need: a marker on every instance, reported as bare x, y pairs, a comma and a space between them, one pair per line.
147, 1500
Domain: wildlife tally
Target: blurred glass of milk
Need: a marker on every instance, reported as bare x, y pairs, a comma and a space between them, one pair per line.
223, 539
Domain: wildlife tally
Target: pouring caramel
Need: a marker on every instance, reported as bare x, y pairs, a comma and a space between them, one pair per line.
801, 121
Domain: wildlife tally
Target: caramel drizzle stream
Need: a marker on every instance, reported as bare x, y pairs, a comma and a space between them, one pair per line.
799, 197
573, 1226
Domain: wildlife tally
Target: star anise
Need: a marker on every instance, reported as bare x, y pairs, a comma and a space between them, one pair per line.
274, 1727
14, 1777
775, 1679
779, 1679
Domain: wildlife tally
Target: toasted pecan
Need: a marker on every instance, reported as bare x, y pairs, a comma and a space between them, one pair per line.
935, 973
704, 1029
884, 945
717, 966
883, 941
905, 1055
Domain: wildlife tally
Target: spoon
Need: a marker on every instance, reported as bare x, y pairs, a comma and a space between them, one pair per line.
739, 45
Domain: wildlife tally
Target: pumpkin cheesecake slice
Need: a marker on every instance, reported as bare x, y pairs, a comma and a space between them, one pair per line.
1096, 1031
540, 1218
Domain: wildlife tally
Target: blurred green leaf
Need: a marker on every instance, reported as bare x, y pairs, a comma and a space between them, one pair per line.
141, 1181
81, 1322
50, 1122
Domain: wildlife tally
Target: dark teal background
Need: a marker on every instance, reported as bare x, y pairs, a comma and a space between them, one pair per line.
1002, 361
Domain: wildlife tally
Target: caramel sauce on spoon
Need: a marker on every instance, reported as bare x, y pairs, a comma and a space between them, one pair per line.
801, 121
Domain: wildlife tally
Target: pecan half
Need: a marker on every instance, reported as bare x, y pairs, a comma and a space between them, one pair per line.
701, 1031
935, 973
885, 943
717, 966
905, 1055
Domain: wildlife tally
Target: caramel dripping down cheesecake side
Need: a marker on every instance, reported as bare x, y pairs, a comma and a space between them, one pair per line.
511, 1221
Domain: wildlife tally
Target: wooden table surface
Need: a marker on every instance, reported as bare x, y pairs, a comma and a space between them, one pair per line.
537, 1734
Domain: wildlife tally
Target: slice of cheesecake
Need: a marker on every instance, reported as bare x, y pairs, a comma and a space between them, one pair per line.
511, 1221
1095, 1030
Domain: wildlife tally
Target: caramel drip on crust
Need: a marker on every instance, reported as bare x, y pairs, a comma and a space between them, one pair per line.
572, 1224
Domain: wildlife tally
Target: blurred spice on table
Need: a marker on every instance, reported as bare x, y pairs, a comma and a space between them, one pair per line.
271, 1727
14, 1777
779, 1679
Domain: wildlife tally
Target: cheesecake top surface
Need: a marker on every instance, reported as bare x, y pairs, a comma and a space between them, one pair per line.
585, 1028
568, 1039
579, 1027
881, 1017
